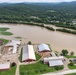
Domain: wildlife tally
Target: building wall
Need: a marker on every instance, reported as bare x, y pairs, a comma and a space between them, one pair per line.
46, 62
5, 69
45, 51
28, 60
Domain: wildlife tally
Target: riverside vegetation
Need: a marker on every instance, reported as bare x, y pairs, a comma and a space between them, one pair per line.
3, 31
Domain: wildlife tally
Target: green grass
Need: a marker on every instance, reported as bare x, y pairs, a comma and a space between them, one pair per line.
71, 74
72, 67
8, 72
69, 56
37, 57
35, 69
5, 40
4, 29
6, 33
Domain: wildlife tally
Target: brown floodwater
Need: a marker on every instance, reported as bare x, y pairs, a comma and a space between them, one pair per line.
57, 40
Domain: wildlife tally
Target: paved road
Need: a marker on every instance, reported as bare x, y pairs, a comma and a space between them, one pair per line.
61, 73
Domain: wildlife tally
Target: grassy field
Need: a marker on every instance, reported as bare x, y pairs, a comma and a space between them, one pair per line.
9, 72
4, 29
35, 69
6, 33
37, 57
69, 56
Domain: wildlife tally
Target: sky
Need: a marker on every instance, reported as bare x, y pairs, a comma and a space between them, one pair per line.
19, 1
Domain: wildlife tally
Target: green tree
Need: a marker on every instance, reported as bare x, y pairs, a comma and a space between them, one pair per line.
13, 64
29, 43
65, 52
72, 53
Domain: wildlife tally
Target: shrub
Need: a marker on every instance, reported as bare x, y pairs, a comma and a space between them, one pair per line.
50, 28
27, 72
57, 67
30, 43
70, 60
36, 71
21, 73
72, 53
13, 64
71, 64
41, 70
61, 67
44, 69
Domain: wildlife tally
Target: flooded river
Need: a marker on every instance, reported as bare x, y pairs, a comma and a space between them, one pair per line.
57, 40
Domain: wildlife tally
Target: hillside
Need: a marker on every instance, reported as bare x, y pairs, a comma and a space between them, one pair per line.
38, 12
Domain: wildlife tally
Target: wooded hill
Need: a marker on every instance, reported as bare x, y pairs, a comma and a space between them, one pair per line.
38, 12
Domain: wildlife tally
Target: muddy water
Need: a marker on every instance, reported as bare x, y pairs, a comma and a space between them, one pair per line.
57, 40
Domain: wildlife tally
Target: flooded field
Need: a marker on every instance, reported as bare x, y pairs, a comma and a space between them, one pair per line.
57, 40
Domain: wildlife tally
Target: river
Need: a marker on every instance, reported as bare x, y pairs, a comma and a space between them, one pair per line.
57, 40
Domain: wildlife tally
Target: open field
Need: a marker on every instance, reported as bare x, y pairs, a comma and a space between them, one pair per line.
34, 69
6, 33
9, 72
4, 29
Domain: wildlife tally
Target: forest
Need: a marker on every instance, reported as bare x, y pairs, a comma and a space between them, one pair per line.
59, 14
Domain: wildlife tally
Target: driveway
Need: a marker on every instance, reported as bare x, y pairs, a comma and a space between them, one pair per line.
61, 73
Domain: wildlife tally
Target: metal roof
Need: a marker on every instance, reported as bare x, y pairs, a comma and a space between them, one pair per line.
28, 52
43, 47
4, 66
13, 43
16, 41
55, 62
47, 59
14, 48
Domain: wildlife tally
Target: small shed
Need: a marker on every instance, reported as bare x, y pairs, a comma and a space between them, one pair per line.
43, 48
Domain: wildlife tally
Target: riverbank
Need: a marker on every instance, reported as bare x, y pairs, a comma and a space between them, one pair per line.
66, 31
